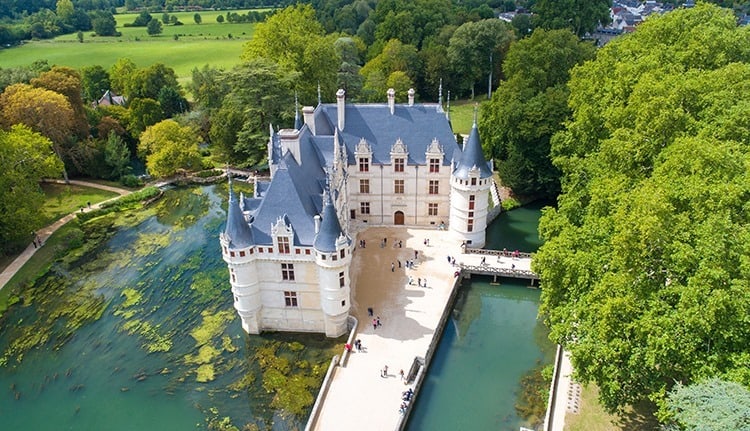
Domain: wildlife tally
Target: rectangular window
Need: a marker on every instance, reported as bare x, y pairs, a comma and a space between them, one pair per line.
364, 207
473, 181
471, 202
287, 271
283, 245
290, 298
398, 187
398, 165
242, 253
343, 253
434, 189
432, 209
364, 164
364, 186
342, 280
434, 165
470, 225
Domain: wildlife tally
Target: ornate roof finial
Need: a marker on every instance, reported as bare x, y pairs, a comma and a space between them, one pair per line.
448, 111
229, 178
440, 96
297, 122
320, 99
476, 108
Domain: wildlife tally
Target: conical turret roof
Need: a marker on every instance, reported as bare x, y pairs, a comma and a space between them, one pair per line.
472, 157
330, 229
238, 231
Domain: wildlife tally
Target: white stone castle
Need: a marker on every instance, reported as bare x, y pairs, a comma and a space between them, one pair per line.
289, 246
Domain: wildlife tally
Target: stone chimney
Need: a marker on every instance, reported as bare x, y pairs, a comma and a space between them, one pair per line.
340, 105
411, 97
317, 223
308, 113
391, 99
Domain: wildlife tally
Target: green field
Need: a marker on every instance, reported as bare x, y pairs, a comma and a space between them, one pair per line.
462, 115
197, 44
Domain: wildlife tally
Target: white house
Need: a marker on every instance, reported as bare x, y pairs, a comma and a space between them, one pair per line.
289, 247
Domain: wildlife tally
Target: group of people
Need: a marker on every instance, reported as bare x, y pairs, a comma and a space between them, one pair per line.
406, 397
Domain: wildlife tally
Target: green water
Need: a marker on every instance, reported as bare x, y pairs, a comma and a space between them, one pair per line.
140, 364
491, 341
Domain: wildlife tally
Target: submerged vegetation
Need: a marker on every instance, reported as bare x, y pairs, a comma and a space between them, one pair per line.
155, 274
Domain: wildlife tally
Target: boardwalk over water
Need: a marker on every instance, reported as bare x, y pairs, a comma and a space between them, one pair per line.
498, 263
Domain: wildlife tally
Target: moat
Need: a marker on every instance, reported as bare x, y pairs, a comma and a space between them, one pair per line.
137, 333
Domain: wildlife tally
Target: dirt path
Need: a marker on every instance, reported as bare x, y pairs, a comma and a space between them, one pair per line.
45, 232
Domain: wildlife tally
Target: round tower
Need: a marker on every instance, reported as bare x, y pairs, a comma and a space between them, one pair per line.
471, 180
333, 256
238, 251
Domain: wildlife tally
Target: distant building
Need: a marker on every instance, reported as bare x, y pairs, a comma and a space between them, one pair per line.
109, 98
349, 166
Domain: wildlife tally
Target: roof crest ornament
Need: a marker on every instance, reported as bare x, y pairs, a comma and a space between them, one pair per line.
440, 96
320, 99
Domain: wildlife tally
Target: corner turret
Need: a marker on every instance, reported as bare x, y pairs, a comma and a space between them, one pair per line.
471, 180
333, 256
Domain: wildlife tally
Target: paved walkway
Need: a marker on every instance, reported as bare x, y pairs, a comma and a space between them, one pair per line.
45, 232
359, 398
567, 399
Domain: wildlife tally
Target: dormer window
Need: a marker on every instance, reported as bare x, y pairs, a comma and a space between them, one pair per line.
398, 155
283, 245
434, 165
363, 155
398, 164
434, 156
283, 236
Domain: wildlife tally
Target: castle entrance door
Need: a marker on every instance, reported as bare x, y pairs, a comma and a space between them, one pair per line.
398, 218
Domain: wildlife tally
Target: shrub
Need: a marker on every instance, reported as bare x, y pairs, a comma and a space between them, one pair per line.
131, 181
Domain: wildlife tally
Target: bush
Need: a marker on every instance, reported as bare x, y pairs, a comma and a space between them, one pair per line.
209, 173
131, 181
509, 204
125, 202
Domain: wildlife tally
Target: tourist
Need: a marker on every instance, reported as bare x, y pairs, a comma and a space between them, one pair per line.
348, 347
401, 373
419, 282
393, 267
399, 263
369, 311
385, 371
377, 321
374, 324
484, 260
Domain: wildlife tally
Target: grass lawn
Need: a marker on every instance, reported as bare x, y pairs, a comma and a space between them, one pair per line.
593, 417
197, 44
462, 115
62, 199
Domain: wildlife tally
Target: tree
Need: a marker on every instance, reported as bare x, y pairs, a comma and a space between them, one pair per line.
121, 75
66, 81
262, 94
169, 148
581, 16
208, 87
154, 27
295, 40
348, 50
42, 110
197, 18
116, 156
143, 113
146, 83
643, 265
711, 405
94, 82
477, 49
395, 57
104, 24
220, 19
171, 101
529, 108
79, 36
165, 18
142, 19
25, 158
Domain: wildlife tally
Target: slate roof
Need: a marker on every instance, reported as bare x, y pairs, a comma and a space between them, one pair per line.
237, 229
296, 190
472, 156
415, 125
330, 229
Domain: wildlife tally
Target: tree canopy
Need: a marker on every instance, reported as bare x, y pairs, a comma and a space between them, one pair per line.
644, 265
711, 405
529, 107
25, 158
169, 148
581, 16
